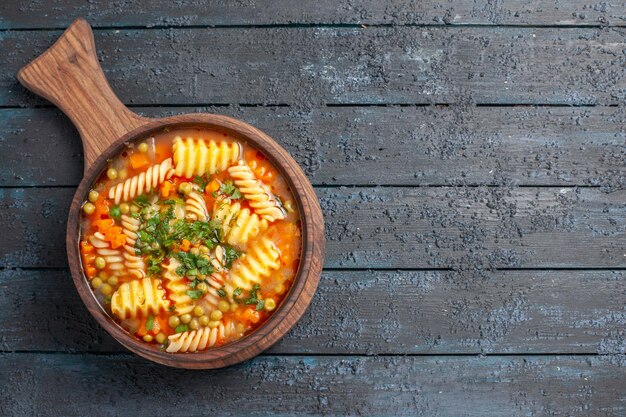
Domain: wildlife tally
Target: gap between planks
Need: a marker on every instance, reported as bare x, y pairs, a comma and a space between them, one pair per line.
330, 105
363, 26
331, 355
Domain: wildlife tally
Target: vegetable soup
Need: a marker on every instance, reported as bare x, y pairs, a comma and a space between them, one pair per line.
190, 239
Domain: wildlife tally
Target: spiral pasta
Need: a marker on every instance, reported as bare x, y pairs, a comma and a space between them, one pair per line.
239, 225
197, 157
142, 183
196, 340
214, 282
177, 287
137, 297
261, 259
195, 207
113, 257
134, 263
261, 198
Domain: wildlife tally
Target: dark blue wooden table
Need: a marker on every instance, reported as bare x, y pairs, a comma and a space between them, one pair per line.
470, 160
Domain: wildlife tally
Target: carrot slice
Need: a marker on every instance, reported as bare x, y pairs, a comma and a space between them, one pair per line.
139, 160
166, 188
185, 246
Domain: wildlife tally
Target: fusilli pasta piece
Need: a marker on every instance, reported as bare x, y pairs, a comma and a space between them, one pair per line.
261, 259
198, 157
134, 263
195, 207
239, 225
196, 340
261, 198
214, 282
138, 296
177, 287
142, 183
113, 257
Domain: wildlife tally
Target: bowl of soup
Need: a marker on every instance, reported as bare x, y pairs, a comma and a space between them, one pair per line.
196, 241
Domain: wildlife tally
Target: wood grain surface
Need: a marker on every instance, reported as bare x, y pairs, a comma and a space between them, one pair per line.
305, 66
464, 228
380, 313
433, 145
325, 385
470, 157
58, 14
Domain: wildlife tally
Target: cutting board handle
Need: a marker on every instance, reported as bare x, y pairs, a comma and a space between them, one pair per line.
69, 75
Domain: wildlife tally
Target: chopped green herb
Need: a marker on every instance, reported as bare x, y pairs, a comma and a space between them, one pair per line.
181, 328
115, 212
230, 254
201, 182
154, 264
237, 292
172, 307
254, 299
150, 323
192, 265
142, 200
229, 188
221, 292
194, 294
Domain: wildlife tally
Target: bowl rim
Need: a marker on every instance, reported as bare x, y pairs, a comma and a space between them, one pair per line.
304, 283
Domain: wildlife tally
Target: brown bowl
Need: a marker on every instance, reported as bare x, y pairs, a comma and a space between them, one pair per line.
69, 75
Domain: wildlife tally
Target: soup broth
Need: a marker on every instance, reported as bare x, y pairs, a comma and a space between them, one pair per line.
190, 239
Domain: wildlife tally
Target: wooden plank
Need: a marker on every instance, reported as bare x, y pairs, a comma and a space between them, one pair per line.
472, 229
309, 66
58, 14
293, 386
372, 312
432, 145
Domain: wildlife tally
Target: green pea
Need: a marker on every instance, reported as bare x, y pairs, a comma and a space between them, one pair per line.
193, 324
198, 311
173, 321
216, 315
184, 188
89, 208
124, 208
204, 320
160, 338
112, 173
270, 304
113, 281
143, 147
93, 196
214, 324
202, 287
100, 262
106, 289
147, 338
185, 318
96, 282
223, 306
